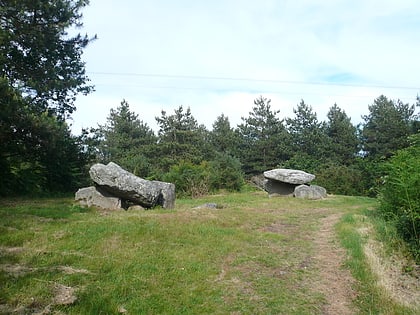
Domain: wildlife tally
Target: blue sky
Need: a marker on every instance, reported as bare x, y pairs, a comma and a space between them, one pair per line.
218, 56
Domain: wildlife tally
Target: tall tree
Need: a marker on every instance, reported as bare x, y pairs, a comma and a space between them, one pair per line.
343, 136
180, 138
39, 57
223, 137
126, 140
387, 126
41, 72
263, 138
308, 138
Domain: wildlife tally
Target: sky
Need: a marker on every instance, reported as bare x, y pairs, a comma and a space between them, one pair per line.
218, 56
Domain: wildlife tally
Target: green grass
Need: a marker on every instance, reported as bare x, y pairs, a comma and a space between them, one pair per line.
251, 256
372, 298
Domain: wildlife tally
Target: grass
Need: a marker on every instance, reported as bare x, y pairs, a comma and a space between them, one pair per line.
370, 246
254, 255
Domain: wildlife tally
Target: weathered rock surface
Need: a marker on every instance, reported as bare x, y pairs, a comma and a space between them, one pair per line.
289, 176
166, 197
94, 196
312, 192
131, 189
121, 183
258, 181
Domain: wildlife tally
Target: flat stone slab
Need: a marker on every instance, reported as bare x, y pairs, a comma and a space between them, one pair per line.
289, 176
94, 196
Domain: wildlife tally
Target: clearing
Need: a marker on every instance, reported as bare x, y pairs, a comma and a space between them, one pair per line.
251, 255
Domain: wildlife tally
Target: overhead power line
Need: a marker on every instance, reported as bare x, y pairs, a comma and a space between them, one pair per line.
193, 77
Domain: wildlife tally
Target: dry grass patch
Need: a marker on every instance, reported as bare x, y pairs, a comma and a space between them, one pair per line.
400, 285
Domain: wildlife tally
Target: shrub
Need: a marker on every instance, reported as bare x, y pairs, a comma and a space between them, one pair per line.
190, 180
195, 180
340, 179
400, 194
226, 173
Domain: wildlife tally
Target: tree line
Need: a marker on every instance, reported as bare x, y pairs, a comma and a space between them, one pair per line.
345, 158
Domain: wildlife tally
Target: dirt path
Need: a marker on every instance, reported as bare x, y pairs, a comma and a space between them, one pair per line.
336, 282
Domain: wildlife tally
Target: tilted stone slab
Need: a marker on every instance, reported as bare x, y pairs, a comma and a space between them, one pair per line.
94, 196
289, 176
125, 185
312, 192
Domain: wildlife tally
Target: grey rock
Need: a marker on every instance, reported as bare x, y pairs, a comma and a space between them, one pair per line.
94, 196
121, 183
125, 185
312, 192
276, 188
258, 181
135, 208
209, 205
167, 194
289, 176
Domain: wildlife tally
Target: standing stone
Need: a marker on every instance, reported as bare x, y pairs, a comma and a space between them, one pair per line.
94, 196
312, 192
289, 176
167, 195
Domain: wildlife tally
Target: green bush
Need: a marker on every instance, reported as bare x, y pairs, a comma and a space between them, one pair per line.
195, 180
190, 180
340, 179
400, 194
226, 173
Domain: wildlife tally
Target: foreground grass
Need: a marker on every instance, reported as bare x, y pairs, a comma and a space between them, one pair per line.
387, 276
252, 256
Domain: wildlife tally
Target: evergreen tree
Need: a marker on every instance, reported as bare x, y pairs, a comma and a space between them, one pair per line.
308, 138
180, 138
223, 138
343, 136
38, 57
127, 141
41, 72
387, 127
263, 138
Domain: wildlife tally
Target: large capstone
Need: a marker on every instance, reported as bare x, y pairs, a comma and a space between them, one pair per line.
289, 176
122, 184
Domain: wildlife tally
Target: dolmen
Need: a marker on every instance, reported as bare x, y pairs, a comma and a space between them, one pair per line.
115, 188
288, 182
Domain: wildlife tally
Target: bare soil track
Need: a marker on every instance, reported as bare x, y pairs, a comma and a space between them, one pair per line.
335, 282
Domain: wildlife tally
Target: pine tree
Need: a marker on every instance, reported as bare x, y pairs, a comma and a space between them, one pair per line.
308, 139
223, 138
386, 128
41, 73
263, 138
343, 136
180, 138
127, 141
